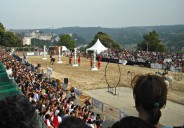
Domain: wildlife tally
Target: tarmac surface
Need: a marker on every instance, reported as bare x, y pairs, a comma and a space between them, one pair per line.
172, 114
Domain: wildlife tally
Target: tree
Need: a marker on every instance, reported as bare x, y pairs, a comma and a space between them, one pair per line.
80, 40
2, 29
7, 38
66, 40
10, 40
2, 32
151, 42
106, 40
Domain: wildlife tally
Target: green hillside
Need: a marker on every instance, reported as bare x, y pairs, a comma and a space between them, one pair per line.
171, 35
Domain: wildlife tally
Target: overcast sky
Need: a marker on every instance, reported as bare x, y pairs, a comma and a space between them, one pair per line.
26, 14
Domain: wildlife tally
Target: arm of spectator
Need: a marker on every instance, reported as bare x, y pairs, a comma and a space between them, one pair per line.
104, 118
59, 120
52, 118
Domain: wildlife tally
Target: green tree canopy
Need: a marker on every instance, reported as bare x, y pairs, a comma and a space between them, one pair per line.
151, 42
66, 40
79, 40
8, 39
2, 29
11, 40
2, 32
106, 40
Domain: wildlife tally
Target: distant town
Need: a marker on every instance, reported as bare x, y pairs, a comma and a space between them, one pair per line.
36, 34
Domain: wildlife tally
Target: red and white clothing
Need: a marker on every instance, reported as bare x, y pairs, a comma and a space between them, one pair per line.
47, 122
56, 120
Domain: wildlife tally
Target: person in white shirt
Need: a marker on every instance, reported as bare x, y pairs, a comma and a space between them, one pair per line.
47, 121
9, 71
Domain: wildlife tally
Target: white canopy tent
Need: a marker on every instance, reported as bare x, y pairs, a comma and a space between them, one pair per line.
64, 48
98, 46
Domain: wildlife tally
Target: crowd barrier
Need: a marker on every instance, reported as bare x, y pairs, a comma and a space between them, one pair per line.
36, 53
156, 66
127, 62
103, 107
96, 103
111, 110
163, 66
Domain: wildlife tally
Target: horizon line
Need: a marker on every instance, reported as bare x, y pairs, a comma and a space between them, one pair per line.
90, 27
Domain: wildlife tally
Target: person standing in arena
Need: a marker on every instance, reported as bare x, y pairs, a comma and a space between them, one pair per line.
79, 60
91, 61
98, 64
52, 59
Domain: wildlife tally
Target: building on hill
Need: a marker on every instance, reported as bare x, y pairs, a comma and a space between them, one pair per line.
26, 40
35, 34
45, 36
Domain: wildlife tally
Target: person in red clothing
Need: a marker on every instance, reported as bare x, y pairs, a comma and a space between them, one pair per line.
98, 64
79, 60
91, 62
70, 59
100, 57
56, 119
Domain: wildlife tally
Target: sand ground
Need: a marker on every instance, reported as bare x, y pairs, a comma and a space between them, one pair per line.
89, 81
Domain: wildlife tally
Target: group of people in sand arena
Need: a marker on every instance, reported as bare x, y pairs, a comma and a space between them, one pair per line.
60, 110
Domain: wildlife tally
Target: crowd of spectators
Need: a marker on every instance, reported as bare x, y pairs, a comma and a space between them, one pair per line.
167, 59
49, 100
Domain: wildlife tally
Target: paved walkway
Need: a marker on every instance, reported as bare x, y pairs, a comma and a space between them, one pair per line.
172, 114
